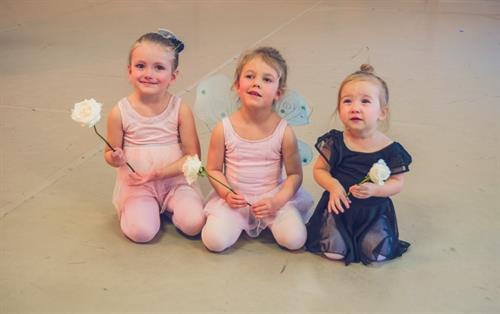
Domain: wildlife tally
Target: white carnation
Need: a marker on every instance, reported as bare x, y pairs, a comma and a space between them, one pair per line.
379, 172
191, 168
87, 112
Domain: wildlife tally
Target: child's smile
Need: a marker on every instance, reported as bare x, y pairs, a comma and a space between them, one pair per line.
150, 69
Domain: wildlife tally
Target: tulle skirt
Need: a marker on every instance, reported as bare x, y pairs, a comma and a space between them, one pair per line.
302, 201
363, 233
147, 159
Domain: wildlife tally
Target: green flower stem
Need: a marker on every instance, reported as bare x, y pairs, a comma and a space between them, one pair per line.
111, 147
204, 172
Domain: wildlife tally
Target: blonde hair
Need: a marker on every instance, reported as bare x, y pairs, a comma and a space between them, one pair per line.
270, 56
169, 43
366, 72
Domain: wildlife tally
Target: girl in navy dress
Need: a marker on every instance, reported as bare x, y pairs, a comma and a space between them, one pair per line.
356, 222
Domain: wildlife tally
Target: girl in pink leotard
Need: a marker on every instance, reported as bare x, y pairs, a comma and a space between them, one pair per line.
248, 151
153, 131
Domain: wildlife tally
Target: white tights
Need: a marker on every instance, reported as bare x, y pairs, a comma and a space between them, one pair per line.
140, 217
220, 233
338, 257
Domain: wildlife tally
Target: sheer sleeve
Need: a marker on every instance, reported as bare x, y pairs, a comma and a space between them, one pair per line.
327, 146
400, 160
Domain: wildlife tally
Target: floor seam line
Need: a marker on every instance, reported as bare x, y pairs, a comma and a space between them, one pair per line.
7, 209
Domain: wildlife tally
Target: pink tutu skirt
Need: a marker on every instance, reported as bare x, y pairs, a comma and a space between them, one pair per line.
147, 159
302, 202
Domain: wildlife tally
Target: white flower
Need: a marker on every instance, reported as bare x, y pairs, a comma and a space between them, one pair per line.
87, 112
379, 172
192, 168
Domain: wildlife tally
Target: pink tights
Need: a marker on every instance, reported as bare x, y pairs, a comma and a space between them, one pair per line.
140, 217
220, 233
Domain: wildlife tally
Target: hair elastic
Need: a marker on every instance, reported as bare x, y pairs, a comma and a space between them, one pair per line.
170, 36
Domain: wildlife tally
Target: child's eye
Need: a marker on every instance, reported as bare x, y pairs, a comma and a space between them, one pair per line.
366, 101
268, 80
160, 67
346, 101
248, 76
139, 66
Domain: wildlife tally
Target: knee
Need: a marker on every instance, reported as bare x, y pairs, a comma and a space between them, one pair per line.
218, 235
376, 246
293, 240
139, 234
290, 232
334, 256
190, 225
139, 220
213, 241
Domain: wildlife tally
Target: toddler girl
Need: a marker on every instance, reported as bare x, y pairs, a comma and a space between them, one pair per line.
359, 225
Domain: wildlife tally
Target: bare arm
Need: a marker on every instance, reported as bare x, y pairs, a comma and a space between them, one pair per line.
115, 139
190, 144
215, 160
321, 173
215, 164
392, 186
338, 197
293, 167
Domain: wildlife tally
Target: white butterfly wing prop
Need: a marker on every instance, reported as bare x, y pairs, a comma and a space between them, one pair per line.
293, 108
305, 151
216, 100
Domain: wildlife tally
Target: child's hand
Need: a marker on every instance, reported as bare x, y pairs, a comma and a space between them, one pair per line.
364, 190
264, 208
338, 200
235, 200
118, 157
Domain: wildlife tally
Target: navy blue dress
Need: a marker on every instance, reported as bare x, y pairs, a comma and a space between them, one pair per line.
368, 229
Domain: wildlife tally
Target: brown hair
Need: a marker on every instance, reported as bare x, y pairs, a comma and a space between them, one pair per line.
269, 55
170, 43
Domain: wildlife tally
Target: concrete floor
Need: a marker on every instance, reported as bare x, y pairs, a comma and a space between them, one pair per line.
61, 249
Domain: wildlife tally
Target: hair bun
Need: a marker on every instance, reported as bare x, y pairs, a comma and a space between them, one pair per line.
366, 68
171, 37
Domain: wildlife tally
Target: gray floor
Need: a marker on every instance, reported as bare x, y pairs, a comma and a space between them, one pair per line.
61, 250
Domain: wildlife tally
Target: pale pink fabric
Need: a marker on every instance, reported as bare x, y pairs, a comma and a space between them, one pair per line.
151, 143
254, 167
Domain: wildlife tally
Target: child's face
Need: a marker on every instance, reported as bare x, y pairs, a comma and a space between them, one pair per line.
359, 107
150, 69
258, 84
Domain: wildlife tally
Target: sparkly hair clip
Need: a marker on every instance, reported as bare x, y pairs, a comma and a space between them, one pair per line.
168, 35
